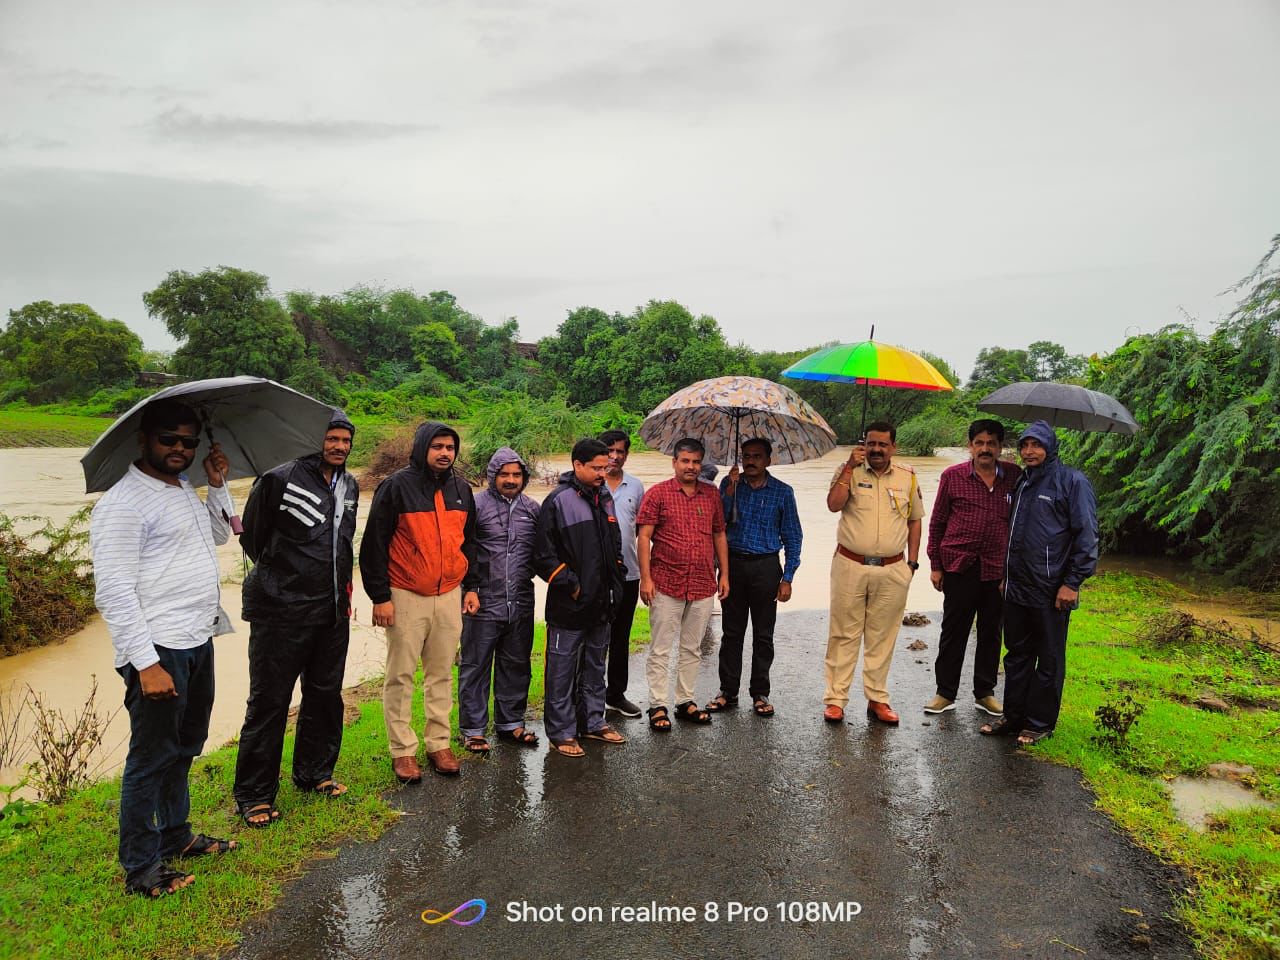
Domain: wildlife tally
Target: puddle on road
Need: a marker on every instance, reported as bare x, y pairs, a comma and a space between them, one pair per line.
1195, 801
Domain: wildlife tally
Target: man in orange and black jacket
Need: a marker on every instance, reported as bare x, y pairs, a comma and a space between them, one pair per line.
417, 561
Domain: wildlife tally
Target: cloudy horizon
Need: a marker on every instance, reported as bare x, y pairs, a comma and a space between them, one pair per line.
961, 177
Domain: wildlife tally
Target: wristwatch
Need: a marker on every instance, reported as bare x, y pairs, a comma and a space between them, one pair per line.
913, 565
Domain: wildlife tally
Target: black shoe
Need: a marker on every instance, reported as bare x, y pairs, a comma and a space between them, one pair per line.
623, 706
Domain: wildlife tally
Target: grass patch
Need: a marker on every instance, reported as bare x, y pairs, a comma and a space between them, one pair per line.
1233, 909
63, 892
29, 428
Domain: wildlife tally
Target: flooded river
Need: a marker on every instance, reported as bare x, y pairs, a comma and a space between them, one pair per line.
49, 482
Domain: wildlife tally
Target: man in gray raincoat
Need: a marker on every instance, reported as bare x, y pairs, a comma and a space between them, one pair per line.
498, 638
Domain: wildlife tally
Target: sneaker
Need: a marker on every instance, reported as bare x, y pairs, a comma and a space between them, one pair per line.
939, 704
623, 706
989, 704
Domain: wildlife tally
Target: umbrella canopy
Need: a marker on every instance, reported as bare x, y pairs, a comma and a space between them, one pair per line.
724, 411
259, 424
869, 362
1062, 405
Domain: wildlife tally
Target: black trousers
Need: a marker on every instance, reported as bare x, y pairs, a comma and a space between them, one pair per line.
494, 650
753, 592
1036, 665
164, 737
620, 642
965, 596
280, 653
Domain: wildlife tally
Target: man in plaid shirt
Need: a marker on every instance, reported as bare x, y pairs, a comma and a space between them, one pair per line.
968, 534
680, 541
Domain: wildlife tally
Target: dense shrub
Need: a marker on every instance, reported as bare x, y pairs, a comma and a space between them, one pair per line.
46, 591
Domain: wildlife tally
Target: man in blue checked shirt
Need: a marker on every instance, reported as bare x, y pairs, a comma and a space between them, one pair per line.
767, 522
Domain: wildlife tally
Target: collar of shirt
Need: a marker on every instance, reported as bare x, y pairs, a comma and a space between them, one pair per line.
973, 471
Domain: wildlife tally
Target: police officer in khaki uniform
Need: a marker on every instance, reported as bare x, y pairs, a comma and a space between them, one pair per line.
877, 551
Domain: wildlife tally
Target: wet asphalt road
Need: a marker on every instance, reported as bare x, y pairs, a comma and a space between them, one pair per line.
953, 845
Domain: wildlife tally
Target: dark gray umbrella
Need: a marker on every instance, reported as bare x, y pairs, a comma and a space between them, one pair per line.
259, 424
1062, 405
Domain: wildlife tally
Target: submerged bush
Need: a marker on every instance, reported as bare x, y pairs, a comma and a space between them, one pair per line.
46, 588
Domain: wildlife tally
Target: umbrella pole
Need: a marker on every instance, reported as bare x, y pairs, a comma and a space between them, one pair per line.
733, 511
866, 393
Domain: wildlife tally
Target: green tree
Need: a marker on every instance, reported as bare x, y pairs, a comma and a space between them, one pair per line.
1202, 478
66, 350
310, 377
667, 348
227, 324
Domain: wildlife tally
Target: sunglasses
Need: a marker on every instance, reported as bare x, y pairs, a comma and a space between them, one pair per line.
173, 439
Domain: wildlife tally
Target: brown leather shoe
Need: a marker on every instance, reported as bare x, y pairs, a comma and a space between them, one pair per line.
406, 769
882, 712
833, 714
444, 762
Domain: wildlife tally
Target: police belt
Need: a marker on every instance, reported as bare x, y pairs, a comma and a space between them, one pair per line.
868, 561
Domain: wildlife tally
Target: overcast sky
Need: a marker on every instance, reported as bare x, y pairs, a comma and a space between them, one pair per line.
958, 174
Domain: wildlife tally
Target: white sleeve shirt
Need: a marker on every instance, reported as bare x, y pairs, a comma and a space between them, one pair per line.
156, 567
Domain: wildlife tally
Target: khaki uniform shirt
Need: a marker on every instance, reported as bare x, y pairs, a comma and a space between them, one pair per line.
874, 519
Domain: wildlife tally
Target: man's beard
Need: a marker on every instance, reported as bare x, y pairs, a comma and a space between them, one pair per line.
161, 465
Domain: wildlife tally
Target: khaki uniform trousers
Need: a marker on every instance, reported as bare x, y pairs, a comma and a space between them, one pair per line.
426, 631
867, 603
679, 623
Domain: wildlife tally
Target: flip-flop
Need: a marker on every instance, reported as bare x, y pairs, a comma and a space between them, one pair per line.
520, 736
476, 745
1000, 727
762, 707
568, 748
605, 734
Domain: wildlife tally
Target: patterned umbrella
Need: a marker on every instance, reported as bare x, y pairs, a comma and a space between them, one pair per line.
871, 364
724, 411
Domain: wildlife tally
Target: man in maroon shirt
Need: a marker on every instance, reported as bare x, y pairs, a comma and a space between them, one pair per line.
968, 536
679, 538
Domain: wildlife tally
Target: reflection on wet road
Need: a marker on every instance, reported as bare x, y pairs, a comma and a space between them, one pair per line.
953, 845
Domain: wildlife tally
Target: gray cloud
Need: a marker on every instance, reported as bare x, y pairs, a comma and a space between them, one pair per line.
178, 123
728, 67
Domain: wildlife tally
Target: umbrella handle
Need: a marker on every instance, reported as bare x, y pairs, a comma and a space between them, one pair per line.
234, 519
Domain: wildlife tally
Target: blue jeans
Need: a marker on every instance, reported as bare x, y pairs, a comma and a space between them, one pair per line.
164, 737
574, 686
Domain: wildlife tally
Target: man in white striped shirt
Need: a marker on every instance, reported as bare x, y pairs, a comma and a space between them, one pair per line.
154, 562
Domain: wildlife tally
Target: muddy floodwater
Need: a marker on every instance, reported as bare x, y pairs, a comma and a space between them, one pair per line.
49, 482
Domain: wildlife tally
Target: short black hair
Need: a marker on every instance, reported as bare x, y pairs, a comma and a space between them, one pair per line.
759, 442
993, 427
882, 426
689, 445
610, 437
167, 415
587, 449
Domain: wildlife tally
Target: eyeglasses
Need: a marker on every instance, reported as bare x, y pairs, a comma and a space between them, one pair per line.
173, 439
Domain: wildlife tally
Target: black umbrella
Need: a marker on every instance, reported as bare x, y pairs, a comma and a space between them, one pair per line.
1062, 405
259, 423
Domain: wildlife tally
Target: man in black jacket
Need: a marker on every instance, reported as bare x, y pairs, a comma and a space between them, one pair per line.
578, 552
298, 527
1053, 549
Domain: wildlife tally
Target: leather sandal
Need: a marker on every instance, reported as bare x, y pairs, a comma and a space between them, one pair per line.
690, 713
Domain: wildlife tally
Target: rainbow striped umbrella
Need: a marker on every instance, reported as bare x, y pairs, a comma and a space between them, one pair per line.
869, 363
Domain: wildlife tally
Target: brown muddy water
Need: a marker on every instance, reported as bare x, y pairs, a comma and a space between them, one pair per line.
49, 483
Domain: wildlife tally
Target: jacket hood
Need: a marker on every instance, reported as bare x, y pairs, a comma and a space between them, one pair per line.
1041, 431
339, 419
422, 440
501, 458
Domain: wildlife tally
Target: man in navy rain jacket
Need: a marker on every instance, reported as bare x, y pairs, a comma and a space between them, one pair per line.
497, 640
1053, 549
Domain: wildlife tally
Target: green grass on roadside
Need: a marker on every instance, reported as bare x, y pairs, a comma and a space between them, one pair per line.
63, 893
29, 428
1233, 907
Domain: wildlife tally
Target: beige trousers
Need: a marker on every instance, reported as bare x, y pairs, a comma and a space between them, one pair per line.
866, 605
426, 631
680, 623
